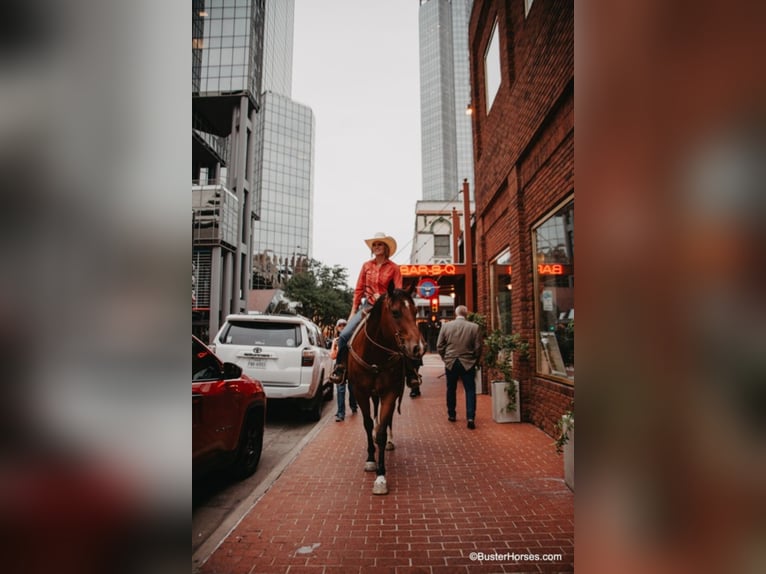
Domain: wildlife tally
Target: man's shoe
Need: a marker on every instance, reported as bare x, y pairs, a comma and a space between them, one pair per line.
451, 419
471, 425
415, 393
338, 375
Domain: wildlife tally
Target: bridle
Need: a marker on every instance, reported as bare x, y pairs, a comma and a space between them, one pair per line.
395, 354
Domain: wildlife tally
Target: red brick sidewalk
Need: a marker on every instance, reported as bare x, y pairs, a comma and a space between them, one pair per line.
452, 491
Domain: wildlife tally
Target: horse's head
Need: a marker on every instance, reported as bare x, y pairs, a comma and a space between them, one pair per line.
397, 315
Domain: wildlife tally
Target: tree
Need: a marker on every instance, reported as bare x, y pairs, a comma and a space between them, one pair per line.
322, 291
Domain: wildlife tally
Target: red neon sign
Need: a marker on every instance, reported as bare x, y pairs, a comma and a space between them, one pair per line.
550, 269
410, 270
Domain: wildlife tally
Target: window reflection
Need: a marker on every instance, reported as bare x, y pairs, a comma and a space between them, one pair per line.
554, 271
492, 67
501, 291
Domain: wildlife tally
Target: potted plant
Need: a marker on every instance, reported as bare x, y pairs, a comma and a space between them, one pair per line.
565, 444
498, 355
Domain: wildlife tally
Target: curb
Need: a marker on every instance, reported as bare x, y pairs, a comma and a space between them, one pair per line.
216, 538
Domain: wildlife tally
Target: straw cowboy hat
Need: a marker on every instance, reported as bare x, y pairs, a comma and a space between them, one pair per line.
383, 238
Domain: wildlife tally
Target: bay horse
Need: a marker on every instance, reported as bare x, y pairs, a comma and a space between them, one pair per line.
376, 367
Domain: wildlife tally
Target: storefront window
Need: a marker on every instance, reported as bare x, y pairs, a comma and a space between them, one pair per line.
553, 243
501, 291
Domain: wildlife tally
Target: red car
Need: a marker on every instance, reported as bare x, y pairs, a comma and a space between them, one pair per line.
228, 416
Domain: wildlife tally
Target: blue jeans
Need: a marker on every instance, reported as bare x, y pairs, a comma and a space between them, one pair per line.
342, 400
469, 384
349, 329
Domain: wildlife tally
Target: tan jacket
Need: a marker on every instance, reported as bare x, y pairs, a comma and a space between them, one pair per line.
460, 339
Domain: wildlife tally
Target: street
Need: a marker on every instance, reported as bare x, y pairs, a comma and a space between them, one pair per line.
218, 504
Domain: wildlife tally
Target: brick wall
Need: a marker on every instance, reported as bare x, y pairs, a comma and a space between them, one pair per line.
524, 163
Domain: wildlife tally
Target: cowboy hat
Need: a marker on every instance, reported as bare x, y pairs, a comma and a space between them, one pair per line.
383, 238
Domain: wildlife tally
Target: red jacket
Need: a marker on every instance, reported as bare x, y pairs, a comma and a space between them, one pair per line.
374, 279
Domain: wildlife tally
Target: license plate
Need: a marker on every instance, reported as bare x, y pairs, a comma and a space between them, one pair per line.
256, 363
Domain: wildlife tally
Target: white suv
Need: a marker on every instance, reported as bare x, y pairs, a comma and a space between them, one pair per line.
287, 353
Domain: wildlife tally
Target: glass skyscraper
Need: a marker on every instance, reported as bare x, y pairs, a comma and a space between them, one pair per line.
284, 159
278, 46
227, 57
284, 150
446, 140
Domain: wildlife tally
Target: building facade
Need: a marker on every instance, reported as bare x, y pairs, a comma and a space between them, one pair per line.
278, 47
522, 94
227, 55
446, 144
284, 156
284, 160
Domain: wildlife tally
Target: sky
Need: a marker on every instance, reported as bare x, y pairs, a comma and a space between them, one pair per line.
356, 65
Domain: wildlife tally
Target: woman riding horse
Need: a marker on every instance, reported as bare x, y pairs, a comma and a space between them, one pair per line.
387, 340
372, 282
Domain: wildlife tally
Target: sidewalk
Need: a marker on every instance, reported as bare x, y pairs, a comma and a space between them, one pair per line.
496, 490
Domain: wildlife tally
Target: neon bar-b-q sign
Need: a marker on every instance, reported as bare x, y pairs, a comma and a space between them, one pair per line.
410, 270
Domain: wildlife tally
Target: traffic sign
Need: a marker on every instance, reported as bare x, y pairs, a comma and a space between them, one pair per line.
427, 288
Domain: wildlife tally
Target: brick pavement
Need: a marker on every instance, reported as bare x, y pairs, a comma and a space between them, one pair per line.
452, 491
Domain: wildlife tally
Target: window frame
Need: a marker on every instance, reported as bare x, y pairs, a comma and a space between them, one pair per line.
495, 318
538, 336
493, 50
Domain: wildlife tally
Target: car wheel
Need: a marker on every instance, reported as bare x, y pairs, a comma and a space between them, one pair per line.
314, 412
250, 446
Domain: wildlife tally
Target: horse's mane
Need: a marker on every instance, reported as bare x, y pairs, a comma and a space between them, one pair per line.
377, 308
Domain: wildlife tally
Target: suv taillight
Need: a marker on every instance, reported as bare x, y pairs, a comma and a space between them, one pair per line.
307, 358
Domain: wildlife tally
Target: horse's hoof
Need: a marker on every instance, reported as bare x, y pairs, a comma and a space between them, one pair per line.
380, 486
370, 466
390, 445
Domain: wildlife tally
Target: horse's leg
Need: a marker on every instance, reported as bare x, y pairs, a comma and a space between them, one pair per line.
375, 404
390, 442
386, 413
364, 406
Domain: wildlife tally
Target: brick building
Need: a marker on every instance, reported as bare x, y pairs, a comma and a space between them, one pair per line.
522, 103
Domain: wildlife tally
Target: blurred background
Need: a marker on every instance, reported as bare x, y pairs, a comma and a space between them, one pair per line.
95, 463
94, 149
670, 149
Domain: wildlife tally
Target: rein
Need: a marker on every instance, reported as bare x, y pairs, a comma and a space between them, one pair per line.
393, 352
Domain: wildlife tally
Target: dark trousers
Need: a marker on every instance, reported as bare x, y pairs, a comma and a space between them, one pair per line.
469, 384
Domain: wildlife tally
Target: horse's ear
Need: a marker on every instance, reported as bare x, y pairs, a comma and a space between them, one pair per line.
412, 289
391, 288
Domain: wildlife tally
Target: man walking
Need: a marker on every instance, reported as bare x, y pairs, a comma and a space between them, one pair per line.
460, 345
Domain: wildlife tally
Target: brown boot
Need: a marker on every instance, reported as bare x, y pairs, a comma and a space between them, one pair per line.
339, 374
414, 380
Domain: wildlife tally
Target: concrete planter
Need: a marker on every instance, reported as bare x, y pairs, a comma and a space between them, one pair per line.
500, 401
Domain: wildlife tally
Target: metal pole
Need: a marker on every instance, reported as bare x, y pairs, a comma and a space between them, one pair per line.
468, 243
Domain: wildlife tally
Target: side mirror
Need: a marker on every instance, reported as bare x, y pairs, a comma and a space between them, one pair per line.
231, 371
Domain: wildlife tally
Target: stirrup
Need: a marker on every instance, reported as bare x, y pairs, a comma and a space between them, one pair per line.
413, 380
338, 375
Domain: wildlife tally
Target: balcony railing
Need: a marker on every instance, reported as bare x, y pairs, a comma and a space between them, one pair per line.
215, 211
203, 129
